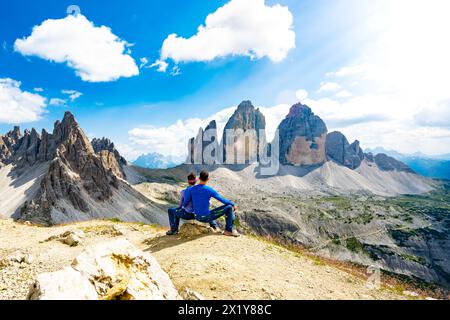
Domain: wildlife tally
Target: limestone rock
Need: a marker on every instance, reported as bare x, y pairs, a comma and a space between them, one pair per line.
76, 174
65, 284
72, 237
107, 151
17, 257
194, 228
119, 270
302, 137
244, 141
109, 271
189, 294
204, 148
339, 150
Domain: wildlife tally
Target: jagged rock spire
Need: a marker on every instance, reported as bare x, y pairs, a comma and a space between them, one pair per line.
302, 137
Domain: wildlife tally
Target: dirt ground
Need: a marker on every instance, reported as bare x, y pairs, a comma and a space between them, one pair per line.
212, 265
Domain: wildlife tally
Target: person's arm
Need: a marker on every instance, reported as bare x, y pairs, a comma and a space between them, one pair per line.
180, 204
217, 196
186, 198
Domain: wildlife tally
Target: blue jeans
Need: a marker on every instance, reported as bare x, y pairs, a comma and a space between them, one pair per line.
175, 214
216, 213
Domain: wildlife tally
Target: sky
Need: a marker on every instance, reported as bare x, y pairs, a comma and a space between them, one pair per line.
148, 74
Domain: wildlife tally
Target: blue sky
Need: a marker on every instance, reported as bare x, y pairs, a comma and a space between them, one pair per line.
345, 57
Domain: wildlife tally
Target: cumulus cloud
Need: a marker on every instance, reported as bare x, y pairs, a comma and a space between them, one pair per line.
95, 53
17, 106
57, 102
344, 94
301, 95
161, 66
401, 97
239, 28
38, 89
348, 71
328, 86
73, 94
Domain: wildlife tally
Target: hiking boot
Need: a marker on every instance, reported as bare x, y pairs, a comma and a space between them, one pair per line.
233, 233
172, 232
216, 229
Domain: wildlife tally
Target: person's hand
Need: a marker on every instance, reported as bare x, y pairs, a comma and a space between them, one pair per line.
235, 208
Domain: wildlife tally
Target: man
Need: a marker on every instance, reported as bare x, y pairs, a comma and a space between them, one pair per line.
186, 211
200, 195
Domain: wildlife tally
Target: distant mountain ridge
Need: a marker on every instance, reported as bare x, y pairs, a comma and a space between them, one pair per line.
156, 160
437, 166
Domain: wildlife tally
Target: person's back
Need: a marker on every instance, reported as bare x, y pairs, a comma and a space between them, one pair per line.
201, 196
189, 207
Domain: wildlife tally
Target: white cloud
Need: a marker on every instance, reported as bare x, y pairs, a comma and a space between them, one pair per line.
73, 94
173, 139
17, 106
144, 62
328, 86
301, 95
160, 65
239, 28
38, 89
96, 54
344, 94
57, 102
348, 71
401, 100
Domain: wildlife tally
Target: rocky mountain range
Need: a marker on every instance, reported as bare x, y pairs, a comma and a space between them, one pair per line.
436, 166
303, 141
61, 176
156, 160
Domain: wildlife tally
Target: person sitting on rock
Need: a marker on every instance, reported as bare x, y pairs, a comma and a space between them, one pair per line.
200, 195
186, 211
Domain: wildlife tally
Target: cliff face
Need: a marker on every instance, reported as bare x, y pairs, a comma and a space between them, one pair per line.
204, 148
302, 137
75, 171
242, 140
83, 179
341, 151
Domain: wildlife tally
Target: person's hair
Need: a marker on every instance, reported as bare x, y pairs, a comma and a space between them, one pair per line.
192, 178
204, 176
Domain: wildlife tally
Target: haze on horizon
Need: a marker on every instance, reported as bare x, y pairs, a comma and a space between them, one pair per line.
147, 76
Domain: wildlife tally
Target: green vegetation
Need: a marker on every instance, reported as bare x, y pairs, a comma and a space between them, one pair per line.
354, 245
412, 258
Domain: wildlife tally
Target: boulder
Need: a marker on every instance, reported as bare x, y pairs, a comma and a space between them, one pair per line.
72, 238
109, 271
194, 228
17, 257
65, 284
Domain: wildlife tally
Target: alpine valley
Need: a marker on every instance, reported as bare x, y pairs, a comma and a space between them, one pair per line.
329, 198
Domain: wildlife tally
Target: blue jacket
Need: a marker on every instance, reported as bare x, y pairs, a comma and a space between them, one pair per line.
200, 195
188, 208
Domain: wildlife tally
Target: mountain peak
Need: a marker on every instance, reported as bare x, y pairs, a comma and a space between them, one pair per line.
299, 109
245, 105
68, 119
